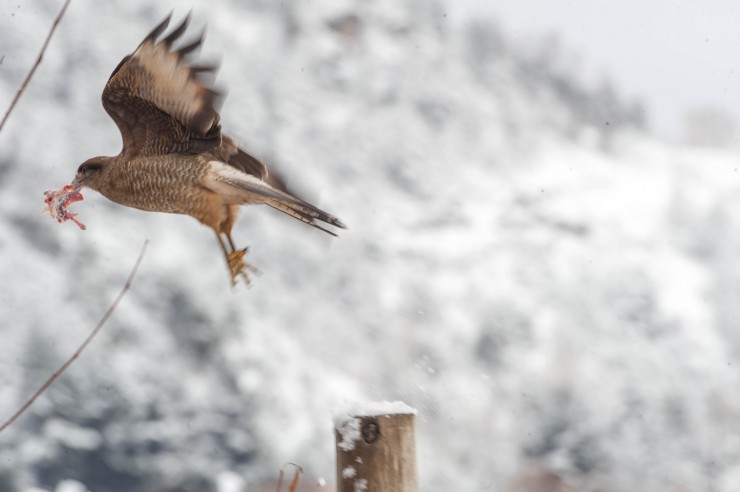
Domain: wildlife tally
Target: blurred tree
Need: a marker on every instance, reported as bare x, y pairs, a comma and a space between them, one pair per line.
709, 126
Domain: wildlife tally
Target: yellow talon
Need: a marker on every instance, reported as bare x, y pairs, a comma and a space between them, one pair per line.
237, 266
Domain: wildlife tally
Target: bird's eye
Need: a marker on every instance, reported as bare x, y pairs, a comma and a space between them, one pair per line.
88, 167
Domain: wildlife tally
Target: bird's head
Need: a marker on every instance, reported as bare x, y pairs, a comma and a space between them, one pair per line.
89, 172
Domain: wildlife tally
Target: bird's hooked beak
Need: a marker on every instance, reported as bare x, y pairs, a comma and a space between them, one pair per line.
78, 182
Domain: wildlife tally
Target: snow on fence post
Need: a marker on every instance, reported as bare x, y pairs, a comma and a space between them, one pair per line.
376, 451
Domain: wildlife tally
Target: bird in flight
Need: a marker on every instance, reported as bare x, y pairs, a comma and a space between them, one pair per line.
175, 158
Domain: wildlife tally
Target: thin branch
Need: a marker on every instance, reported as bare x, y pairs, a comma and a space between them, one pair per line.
34, 67
87, 341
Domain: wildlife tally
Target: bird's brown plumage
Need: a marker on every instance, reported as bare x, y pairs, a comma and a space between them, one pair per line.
175, 158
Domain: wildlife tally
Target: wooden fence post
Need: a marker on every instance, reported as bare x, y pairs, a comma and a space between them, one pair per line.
376, 451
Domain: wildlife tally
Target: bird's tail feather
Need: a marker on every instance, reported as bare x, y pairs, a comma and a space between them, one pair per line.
298, 214
287, 203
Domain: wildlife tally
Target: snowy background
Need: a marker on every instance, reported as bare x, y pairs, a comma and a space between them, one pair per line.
679, 57
551, 286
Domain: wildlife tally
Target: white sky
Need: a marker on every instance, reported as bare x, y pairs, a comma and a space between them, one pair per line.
672, 54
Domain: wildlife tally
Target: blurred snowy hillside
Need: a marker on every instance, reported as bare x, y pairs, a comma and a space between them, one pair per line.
555, 292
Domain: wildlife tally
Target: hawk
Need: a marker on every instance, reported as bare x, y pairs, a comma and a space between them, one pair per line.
175, 158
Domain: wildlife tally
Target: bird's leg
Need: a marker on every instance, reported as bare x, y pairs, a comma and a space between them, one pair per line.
230, 263
235, 260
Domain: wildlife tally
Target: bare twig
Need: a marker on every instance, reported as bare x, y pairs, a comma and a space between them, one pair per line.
293, 487
87, 341
35, 66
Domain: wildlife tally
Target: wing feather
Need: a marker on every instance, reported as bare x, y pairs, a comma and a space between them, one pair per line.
159, 101
243, 188
232, 155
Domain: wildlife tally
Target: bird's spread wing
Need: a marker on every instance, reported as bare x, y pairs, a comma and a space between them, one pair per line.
159, 101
